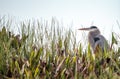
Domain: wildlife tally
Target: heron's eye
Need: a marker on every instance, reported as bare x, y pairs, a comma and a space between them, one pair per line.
93, 27
96, 39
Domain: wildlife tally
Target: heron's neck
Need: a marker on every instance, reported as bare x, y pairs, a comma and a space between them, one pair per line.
91, 36
94, 33
91, 40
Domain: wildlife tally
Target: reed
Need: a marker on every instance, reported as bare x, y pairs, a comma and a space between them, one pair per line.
49, 51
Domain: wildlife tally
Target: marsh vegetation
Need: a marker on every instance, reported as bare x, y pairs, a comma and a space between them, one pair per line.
48, 51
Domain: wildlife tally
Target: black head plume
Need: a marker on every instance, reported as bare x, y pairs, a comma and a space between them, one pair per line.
93, 27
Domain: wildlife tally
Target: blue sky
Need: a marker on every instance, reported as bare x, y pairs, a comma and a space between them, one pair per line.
82, 13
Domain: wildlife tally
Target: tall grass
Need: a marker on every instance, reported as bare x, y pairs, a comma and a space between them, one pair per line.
45, 50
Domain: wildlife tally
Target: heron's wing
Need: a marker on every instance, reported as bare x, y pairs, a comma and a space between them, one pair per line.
101, 43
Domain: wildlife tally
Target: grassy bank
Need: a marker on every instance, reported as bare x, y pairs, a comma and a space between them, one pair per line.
49, 51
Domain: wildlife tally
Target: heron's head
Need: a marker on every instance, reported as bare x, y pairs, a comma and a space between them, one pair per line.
93, 30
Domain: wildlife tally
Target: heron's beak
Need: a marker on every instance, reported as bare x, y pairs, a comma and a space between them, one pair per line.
84, 29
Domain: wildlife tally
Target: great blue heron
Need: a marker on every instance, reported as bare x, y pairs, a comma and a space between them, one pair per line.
96, 40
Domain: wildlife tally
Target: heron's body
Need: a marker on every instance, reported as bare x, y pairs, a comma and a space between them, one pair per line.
96, 40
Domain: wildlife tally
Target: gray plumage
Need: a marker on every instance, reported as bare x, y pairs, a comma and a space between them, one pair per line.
96, 39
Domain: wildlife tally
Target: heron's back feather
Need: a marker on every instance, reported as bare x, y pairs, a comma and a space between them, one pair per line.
102, 42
